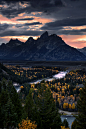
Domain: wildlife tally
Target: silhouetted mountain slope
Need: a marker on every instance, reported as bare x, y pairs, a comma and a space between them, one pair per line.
83, 50
45, 48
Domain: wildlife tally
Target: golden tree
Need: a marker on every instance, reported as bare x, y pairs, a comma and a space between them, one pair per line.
63, 127
70, 106
73, 106
27, 124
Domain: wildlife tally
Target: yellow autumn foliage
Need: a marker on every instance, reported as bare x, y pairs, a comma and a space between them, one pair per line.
70, 106
73, 106
21, 87
63, 127
65, 105
27, 124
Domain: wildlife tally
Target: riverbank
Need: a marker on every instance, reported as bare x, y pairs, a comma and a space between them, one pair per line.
62, 112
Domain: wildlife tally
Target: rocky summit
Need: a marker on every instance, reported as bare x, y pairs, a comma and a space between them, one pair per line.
45, 48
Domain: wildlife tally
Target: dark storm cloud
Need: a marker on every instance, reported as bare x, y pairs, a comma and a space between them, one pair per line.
3, 26
68, 8
68, 32
11, 13
64, 22
74, 0
68, 13
33, 23
46, 3
27, 24
72, 32
37, 33
25, 19
20, 33
32, 5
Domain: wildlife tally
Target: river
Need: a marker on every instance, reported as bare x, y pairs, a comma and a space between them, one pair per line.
60, 75
69, 119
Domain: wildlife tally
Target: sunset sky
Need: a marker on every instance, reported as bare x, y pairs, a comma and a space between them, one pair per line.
24, 18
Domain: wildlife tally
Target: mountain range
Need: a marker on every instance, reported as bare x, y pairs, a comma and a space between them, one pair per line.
83, 50
45, 48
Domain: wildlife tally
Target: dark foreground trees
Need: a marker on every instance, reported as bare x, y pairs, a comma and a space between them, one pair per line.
10, 105
82, 109
44, 111
65, 123
80, 122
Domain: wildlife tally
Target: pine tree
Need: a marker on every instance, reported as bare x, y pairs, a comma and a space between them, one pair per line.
4, 84
65, 123
9, 100
47, 114
29, 106
74, 124
81, 119
4, 96
10, 116
0, 87
17, 103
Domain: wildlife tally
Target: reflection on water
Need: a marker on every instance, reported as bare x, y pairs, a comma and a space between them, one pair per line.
17, 86
69, 119
60, 75
56, 76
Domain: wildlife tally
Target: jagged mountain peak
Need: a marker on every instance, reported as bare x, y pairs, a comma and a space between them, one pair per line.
14, 42
44, 35
55, 37
47, 48
3, 44
30, 39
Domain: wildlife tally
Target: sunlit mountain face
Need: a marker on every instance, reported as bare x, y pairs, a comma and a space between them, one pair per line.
22, 19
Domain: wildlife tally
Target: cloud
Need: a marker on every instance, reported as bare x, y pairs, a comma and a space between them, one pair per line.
27, 24
74, 0
33, 23
14, 8
71, 32
37, 3
3, 26
58, 26
25, 19
11, 13
20, 33
64, 22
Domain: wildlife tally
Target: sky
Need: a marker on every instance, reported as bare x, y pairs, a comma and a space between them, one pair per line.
22, 19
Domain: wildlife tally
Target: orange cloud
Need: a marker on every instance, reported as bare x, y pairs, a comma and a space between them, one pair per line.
21, 14
74, 27
14, 21
77, 41
42, 20
35, 13
1, 5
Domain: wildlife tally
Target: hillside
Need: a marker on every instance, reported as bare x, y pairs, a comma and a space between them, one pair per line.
83, 50
9, 75
45, 48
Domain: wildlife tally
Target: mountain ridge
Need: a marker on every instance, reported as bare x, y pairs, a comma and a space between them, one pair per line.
45, 48
83, 50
